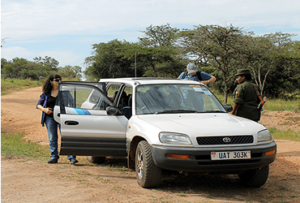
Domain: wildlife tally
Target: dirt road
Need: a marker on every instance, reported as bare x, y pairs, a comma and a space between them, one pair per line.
27, 180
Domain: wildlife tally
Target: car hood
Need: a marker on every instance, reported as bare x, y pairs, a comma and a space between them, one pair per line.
205, 124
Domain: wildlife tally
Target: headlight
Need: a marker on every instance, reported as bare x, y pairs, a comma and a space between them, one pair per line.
174, 138
264, 136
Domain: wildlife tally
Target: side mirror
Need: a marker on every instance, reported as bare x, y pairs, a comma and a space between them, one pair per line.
112, 111
227, 107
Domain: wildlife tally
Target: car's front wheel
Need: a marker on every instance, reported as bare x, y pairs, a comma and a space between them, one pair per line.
256, 177
96, 159
147, 173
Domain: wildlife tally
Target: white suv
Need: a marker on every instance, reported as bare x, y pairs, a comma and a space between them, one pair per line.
161, 124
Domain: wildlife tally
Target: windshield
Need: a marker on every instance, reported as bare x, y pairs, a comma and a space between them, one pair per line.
158, 99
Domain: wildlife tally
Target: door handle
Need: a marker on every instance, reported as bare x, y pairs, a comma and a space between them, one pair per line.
71, 123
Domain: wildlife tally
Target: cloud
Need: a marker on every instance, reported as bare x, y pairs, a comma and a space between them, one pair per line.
32, 18
65, 30
63, 57
11, 52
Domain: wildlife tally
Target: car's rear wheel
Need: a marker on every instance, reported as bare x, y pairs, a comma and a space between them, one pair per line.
147, 173
96, 159
256, 177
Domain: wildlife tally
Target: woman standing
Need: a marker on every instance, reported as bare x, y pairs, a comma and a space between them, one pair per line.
46, 105
245, 97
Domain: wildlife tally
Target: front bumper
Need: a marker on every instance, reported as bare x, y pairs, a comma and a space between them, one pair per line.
200, 160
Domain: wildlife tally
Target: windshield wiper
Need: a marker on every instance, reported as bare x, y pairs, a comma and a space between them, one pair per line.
176, 111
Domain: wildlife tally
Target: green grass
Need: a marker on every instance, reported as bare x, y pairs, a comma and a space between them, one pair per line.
282, 105
16, 145
270, 105
284, 134
12, 85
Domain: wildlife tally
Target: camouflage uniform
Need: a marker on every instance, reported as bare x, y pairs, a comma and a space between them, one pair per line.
245, 95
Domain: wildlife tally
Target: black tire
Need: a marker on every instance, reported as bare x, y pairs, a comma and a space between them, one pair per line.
147, 173
96, 159
256, 177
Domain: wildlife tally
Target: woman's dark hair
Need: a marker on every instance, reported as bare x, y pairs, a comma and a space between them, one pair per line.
47, 87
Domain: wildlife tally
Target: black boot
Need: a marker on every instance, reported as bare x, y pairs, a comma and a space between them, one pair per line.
52, 161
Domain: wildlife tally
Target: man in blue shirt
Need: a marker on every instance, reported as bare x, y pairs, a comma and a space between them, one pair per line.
193, 74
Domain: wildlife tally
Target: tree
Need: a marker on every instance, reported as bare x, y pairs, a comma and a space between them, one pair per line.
152, 62
286, 58
215, 47
14, 67
256, 55
22, 68
3, 62
159, 36
160, 51
47, 62
70, 72
108, 60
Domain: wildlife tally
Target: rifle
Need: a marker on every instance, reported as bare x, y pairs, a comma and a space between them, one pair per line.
262, 100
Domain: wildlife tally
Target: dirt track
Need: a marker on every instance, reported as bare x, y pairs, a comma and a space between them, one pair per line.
25, 180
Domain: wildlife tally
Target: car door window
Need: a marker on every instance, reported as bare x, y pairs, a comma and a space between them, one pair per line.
112, 91
125, 97
79, 99
125, 102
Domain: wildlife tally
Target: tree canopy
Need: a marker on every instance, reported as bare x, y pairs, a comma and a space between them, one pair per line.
164, 51
37, 69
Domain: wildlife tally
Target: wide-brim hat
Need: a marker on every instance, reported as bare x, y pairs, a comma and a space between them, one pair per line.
243, 72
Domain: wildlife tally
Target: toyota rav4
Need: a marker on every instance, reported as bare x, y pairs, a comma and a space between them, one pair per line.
161, 124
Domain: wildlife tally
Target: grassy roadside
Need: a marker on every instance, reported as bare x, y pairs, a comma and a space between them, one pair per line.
284, 134
270, 105
10, 85
13, 85
16, 145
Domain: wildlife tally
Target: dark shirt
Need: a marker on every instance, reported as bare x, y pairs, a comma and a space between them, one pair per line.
50, 104
245, 95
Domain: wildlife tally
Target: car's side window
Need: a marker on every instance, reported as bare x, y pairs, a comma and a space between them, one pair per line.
125, 98
127, 102
79, 99
112, 91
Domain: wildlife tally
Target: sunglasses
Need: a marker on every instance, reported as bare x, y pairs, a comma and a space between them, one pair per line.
57, 80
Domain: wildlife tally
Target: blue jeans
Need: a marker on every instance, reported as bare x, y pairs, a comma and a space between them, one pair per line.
51, 126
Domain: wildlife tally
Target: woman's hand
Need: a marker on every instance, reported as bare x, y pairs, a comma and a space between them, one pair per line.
47, 110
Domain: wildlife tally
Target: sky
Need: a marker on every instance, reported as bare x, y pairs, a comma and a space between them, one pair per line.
66, 29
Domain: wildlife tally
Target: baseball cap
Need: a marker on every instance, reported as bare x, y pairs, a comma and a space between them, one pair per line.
191, 68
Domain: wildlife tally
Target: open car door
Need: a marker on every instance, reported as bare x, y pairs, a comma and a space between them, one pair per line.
86, 129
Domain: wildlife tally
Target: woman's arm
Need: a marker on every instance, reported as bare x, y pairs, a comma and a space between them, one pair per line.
40, 103
46, 110
235, 108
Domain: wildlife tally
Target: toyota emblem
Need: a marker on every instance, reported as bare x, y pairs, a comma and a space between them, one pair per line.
226, 139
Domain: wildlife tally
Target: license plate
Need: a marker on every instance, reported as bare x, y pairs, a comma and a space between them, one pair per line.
230, 155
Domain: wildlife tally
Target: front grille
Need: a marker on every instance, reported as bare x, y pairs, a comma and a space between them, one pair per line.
225, 140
